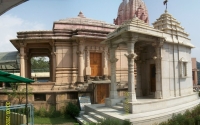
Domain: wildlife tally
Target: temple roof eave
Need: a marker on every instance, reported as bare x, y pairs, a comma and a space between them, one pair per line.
149, 32
90, 37
145, 30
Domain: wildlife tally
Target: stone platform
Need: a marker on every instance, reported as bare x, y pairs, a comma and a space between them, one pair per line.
153, 114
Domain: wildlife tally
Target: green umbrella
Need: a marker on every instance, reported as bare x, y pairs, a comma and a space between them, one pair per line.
11, 78
6, 80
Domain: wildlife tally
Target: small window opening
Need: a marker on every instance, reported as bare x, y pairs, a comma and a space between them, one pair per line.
39, 97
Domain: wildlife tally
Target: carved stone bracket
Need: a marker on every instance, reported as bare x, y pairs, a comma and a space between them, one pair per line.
53, 53
79, 52
22, 55
131, 55
22, 44
113, 60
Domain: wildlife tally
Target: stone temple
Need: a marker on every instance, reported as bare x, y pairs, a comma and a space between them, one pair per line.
104, 61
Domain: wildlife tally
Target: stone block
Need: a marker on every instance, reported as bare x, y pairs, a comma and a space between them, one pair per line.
88, 71
111, 102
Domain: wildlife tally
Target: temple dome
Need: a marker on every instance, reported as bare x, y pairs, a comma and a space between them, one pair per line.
132, 8
82, 22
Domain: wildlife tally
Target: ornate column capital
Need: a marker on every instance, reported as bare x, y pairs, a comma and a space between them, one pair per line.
51, 43
131, 55
113, 60
79, 52
80, 41
22, 55
22, 44
53, 53
157, 46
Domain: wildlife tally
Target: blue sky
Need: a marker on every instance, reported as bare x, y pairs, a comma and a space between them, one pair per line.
40, 15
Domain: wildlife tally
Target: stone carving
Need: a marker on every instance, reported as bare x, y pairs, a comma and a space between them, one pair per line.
131, 55
113, 60
53, 53
79, 52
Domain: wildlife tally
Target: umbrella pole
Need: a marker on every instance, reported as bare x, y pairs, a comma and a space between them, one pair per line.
26, 104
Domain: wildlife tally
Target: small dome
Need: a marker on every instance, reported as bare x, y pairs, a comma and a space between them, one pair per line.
131, 8
81, 15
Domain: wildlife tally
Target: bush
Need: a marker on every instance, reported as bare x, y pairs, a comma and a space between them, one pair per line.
42, 112
188, 118
52, 112
72, 110
36, 112
110, 121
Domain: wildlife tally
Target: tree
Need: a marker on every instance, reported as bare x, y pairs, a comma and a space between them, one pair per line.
39, 64
17, 93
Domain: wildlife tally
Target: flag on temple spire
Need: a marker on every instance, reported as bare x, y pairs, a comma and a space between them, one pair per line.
165, 2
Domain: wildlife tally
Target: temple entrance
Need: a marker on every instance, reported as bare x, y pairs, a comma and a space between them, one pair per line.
153, 77
102, 92
96, 64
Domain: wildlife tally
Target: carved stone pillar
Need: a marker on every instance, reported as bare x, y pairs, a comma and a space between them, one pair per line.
53, 62
105, 69
158, 93
131, 77
88, 68
74, 63
113, 60
50, 67
26, 65
29, 67
22, 60
81, 62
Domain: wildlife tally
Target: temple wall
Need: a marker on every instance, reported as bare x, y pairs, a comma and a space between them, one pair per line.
64, 64
95, 47
173, 84
121, 64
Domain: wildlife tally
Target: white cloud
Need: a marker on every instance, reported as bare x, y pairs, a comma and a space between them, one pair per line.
9, 26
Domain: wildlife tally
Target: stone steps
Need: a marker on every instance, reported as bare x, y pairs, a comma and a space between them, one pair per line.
89, 119
96, 116
120, 104
120, 108
92, 117
81, 120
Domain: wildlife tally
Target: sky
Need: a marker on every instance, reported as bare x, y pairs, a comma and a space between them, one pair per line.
40, 15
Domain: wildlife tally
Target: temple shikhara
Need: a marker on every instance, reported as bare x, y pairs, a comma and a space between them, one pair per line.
91, 58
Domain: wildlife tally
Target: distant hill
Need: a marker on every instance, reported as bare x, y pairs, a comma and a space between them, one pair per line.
198, 73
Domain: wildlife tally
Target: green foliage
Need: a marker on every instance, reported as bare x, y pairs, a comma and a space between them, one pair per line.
53, 113
39, 64
17, 93
188, 118
198, 73
72, 110
54, 121
42, 112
